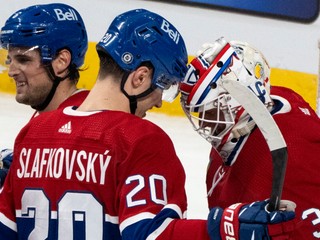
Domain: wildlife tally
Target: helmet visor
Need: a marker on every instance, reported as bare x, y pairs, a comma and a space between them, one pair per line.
18, 57
171, 93
170, 87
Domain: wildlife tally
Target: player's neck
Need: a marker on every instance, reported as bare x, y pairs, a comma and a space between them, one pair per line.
105, 95
63, 92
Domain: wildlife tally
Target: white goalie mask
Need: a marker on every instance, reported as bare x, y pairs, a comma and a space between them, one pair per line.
213, 112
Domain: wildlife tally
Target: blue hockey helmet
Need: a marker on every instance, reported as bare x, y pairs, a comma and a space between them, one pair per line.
139, 36
50, 27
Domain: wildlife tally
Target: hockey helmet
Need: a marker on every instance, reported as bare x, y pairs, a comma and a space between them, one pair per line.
49, 27
139, 36
213, 112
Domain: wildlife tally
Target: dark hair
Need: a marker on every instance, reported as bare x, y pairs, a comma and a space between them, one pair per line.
73, 71
74, 74
108, 66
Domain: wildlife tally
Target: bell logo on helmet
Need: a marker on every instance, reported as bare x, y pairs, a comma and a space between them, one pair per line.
69, 15
174, 35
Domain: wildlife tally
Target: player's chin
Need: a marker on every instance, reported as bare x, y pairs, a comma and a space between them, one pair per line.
21, 98
141, 114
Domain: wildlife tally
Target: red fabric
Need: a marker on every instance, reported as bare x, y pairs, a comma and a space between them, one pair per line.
75, 99
250, 178
126, 164
281, 231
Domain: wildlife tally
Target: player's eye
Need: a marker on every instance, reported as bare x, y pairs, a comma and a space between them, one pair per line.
23, 59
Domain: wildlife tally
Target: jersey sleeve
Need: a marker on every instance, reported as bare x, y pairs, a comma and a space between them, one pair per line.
152, 196
8, 224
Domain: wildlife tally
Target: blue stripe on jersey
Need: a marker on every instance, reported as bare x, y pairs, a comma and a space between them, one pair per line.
142, 229
7, 233
139, 230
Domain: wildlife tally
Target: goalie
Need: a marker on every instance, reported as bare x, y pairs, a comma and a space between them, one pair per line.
240, 167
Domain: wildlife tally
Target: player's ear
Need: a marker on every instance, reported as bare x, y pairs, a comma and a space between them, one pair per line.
141, 76
62, 61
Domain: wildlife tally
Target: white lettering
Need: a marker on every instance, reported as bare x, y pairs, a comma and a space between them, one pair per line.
6, 32
228, 222
106, 38
103, 166
35, 165
58, 163
174, 35
80, 155
20, 172
63, 163
69, 165
44, 160
49, 167
68, 15
90, 167
313, 213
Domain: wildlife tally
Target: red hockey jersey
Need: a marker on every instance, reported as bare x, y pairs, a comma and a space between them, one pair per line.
74, 100
250, 177
95, 175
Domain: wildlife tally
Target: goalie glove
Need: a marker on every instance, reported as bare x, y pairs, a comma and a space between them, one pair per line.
6, 156
251, 221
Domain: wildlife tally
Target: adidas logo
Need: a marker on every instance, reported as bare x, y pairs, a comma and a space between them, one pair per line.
66, 128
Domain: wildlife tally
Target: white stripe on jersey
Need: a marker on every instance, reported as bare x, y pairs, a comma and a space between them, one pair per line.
160, 229
111, 219
148, 215
136, 218
175, 208
165, 224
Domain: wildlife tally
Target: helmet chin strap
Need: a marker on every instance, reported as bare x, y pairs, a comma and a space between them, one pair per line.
133, 99
56, 81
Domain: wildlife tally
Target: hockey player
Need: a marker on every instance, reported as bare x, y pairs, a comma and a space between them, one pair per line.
100, 171
240, 167
46, 46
